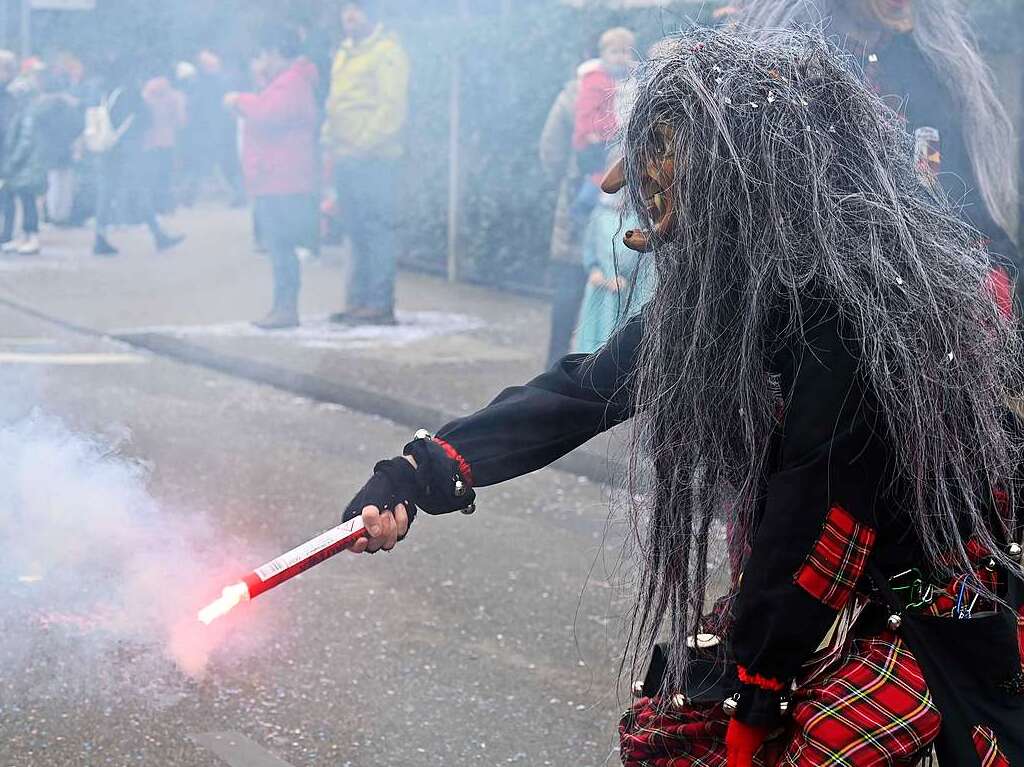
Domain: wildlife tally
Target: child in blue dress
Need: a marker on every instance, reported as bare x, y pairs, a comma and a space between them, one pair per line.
616, 288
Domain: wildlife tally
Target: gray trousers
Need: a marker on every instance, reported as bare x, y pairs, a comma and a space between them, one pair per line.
366, 193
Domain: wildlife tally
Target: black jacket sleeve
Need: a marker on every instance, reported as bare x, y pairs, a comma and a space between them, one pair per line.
528, 427
817, 525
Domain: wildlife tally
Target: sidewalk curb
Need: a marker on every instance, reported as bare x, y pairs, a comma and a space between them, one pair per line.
580, 462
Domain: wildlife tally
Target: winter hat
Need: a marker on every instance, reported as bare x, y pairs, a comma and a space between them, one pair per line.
617, 37
369, 7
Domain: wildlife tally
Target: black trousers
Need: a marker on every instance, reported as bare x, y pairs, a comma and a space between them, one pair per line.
569, 283
29, 212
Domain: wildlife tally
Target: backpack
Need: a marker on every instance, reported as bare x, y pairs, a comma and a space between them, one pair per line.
99, 135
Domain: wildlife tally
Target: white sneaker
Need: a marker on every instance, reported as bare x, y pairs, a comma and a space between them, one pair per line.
29, 247
11, 246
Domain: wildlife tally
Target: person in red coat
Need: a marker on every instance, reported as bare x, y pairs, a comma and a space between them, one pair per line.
596, 116
279, 162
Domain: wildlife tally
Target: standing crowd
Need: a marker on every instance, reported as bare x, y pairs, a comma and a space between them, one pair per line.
128, 142
294, 141
121, 143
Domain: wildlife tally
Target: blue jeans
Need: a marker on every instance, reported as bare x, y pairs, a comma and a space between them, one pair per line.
366, 193
284, 226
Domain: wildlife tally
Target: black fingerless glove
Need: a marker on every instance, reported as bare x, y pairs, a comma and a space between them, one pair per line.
438, 484
393, 482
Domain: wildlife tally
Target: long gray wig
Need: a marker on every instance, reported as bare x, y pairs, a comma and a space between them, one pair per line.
790, 180
944, 36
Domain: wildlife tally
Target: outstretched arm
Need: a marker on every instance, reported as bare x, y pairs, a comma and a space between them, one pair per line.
528, 427
525, 428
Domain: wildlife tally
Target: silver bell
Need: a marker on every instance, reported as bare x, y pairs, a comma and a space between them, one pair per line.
1015, 550
730, 704
637, 688
469, 509
895, 621
422, 434
784, 706
460, 488
679, 700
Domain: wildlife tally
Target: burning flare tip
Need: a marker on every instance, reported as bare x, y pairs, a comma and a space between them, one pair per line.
230, 597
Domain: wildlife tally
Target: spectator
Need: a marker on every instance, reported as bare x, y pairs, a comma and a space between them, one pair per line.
24, 169
120, 169
8, 70
560, 164
279, 160
59, 126
616, 284
596, 119
211, 136
167, 118
86, 90
258, 80
366, 112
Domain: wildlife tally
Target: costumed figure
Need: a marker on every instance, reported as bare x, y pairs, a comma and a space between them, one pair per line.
921, 56
822, 370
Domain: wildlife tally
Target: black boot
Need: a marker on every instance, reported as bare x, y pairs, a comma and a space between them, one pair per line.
101, 247
279, 319
165, 241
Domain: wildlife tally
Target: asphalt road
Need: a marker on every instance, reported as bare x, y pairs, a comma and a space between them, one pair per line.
491, 639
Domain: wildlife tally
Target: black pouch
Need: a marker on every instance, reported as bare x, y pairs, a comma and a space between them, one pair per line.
973, 670
710, 677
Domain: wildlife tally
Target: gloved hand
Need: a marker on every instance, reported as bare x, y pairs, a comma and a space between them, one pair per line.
427, 476
742, 741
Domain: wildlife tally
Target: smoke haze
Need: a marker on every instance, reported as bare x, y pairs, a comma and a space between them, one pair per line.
97, 573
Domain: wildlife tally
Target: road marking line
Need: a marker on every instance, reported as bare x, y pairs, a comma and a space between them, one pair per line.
27, 358
237, 750
26, 341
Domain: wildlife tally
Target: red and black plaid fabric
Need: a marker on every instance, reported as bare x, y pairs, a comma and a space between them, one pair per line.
989, 753
837, 560
874, 708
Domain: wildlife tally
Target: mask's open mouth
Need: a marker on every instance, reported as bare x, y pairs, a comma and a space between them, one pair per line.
658, 196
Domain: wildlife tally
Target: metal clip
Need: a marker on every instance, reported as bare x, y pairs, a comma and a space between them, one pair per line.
910, 586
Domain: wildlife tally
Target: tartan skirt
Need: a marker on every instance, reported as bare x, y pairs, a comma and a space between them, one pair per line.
872, 708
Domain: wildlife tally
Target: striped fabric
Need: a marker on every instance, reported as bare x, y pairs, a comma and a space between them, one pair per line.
876, 709
988, 748
873, 709
837, 560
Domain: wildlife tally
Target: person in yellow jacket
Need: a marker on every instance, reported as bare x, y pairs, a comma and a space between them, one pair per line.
366, 112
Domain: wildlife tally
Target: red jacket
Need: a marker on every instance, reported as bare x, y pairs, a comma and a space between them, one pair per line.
279, 137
